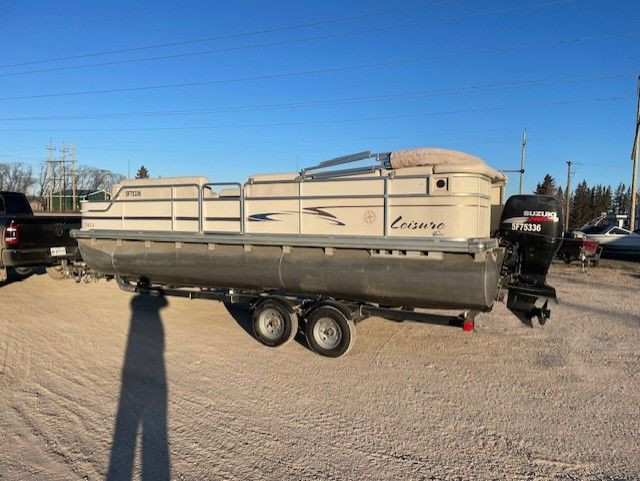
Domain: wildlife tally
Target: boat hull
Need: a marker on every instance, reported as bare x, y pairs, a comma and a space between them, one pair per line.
618, 247
394, 278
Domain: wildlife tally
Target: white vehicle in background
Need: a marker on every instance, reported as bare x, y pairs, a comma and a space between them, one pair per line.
615, 241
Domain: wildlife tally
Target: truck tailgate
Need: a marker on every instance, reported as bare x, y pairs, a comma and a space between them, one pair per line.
46, 231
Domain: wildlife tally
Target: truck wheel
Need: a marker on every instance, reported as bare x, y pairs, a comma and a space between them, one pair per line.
329, 332
56, 272
274, 324
23, 271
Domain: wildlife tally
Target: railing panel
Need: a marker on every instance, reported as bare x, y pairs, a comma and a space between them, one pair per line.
221, 208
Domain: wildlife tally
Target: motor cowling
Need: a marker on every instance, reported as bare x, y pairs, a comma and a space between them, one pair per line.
531, 229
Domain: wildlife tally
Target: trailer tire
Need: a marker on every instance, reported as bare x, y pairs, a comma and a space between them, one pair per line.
56, 272
329, 332
274, 323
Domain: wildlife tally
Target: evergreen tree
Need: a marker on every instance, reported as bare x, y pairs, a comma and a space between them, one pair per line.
605, 203
547, 186
142, 173
621, 199
581, 206
599, 202
609, 199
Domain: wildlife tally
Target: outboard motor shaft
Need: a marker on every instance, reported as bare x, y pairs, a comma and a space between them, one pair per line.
531, 229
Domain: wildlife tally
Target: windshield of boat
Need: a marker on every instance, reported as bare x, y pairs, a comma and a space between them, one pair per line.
595, 229
619, 231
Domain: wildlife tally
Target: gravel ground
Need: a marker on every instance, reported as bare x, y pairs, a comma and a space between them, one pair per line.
98, 384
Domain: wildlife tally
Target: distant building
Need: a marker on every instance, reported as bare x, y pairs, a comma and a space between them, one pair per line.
65, 199
37, 205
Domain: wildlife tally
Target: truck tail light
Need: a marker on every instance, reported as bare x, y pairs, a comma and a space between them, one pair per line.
11, 235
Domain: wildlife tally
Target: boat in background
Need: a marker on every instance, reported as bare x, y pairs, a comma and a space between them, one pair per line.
575, 246
616, 241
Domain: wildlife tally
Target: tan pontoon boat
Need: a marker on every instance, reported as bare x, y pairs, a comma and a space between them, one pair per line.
330, 245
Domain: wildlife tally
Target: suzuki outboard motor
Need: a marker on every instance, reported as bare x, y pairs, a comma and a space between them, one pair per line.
531, 232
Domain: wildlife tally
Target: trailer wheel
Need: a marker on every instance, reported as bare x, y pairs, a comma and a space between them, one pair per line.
329, 332
56, 272
274, 324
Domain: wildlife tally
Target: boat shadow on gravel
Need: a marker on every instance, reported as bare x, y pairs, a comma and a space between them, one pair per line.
142, 406
241, 313
595, 310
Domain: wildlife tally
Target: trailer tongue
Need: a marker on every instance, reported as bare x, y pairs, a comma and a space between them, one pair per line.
322, 248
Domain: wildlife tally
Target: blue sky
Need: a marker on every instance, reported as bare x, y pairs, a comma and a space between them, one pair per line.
463, 74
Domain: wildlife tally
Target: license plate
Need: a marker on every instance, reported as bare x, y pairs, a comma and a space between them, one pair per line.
58, 251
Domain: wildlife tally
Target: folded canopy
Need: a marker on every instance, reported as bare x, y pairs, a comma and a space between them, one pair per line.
443, 161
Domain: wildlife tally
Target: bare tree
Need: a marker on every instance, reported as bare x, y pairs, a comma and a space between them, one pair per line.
19, 177
16, 177
42, 184
92, 178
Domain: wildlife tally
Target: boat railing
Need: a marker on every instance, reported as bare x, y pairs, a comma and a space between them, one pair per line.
319, 170
221, 207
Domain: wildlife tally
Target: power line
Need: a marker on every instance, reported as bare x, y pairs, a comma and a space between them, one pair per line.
573, 41
130, 15
455, 136
277, 43
270, 30
331, 102
483, 141
236, 35
333, 121
211, 51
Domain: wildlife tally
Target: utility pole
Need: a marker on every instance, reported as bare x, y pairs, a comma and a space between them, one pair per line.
522, 156
634, 157
567, 196
50, 174
74, 176
63, 192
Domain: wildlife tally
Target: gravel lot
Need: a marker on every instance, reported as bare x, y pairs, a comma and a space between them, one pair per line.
184, 389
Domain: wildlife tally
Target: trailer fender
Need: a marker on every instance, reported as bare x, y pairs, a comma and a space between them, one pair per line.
349, 313
276, 297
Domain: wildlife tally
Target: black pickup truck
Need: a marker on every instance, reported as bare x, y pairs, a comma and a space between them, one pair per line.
30, 240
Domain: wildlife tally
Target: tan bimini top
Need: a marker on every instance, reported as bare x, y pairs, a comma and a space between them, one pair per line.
443, 161
424, 160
